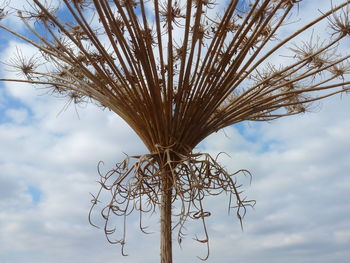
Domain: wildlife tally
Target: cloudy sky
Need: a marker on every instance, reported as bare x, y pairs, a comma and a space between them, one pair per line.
48, 159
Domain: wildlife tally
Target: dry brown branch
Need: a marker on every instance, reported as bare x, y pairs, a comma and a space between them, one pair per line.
176, 71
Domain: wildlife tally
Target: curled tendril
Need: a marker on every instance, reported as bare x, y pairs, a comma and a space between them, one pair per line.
135, 185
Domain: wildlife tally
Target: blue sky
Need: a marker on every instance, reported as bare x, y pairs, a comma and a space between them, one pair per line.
48, 159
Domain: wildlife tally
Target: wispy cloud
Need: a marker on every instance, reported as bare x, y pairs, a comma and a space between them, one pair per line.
48, 159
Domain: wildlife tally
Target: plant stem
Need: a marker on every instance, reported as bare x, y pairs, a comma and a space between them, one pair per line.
165, 220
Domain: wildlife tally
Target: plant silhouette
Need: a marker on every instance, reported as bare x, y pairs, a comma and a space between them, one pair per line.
176, 72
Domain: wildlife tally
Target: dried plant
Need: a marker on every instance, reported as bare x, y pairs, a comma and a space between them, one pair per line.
177, 71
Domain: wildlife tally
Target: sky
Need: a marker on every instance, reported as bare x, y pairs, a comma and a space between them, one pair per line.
48, 158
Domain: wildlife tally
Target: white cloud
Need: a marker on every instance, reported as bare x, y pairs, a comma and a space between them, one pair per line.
300, 168
17, 115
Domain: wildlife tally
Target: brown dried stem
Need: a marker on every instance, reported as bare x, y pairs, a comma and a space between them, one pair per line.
176, 73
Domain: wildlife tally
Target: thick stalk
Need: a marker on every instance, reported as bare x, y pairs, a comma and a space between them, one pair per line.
165, 220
